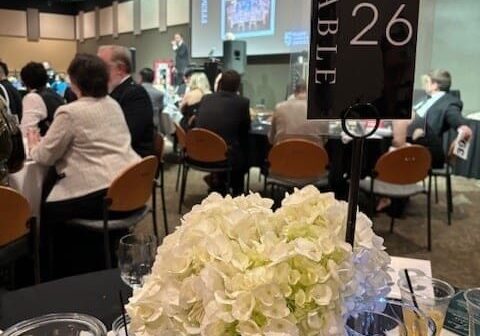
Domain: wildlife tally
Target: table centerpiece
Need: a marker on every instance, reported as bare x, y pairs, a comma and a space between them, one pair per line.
236, 267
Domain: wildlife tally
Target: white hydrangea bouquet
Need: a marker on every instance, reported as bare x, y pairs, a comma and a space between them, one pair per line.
235, 267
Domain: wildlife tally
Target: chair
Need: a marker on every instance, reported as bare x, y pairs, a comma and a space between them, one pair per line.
129, 191
19, 234
397, 174
446, 172
182, 141
159, 145
207, 152
296, 163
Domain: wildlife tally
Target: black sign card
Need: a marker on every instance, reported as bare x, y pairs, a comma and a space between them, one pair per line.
362, 51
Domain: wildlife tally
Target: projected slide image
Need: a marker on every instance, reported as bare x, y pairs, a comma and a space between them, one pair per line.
248, 18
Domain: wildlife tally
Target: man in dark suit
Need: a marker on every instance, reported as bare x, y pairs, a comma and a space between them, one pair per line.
9, 93
182, 57
228, 115
132, 97
441, 110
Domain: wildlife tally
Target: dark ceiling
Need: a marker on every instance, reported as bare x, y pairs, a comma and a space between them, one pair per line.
56, 6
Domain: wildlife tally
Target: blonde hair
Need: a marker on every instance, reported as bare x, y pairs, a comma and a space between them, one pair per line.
200, 81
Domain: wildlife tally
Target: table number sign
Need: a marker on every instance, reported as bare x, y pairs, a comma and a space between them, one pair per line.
362, 51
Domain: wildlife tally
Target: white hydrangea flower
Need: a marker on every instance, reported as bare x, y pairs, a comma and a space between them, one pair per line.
235, 267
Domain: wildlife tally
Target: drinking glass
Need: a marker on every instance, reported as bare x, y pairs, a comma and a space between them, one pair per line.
118, 326
136, 254
416, 322
369, 323
432, 297
472, 297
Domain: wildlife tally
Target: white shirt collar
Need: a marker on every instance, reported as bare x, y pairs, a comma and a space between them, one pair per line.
124, 79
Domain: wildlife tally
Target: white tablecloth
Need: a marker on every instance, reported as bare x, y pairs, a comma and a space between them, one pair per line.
28, 182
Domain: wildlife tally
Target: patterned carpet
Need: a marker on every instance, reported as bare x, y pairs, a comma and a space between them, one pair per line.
455, 255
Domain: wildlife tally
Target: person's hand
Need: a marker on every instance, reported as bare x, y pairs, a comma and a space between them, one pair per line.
33, 138
466, 131
173, 42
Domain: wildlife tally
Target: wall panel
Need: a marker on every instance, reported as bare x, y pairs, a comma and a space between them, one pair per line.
106, 21
125, 17
13, 23
178, 12
54, 26
89, 25
149, 14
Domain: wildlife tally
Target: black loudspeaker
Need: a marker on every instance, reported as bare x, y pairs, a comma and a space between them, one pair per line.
235, 56
133, 52
212, 69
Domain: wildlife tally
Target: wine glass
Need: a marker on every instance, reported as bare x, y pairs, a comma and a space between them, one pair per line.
136, 254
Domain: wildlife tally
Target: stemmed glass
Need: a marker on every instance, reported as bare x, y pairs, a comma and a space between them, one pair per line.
136, 255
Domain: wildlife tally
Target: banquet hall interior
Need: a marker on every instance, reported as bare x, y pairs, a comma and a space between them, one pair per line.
132, 112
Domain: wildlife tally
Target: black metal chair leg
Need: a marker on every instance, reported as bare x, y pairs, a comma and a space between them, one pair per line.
106, 237
183, 187
392, 223
36, 249
436, 190
229, 183
429, 214
449, 198
154, 211
12, 275
179, 171
164, 206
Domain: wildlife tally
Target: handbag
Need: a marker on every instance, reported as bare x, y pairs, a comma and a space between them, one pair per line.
9, 126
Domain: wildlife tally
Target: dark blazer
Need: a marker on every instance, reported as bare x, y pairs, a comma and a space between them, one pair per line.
182, 58
445, 114
138, 111
14, 98
228, 115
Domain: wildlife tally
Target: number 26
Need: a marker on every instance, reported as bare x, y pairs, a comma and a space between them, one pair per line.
357, 40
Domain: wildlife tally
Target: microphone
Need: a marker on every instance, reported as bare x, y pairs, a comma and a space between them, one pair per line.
212, 51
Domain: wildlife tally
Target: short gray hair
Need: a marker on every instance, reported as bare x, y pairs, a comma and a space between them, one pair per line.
120, 55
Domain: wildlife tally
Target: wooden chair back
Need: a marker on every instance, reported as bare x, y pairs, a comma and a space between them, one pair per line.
205, 146
14, 215
405, 165
181, 135
132, 189
298, 159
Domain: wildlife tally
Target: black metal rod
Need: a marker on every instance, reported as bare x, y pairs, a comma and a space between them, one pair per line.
356, 167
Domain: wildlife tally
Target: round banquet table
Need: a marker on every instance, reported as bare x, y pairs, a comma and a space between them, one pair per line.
28, 182
94, 294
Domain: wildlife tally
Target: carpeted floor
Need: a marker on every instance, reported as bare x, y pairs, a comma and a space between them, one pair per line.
456, 249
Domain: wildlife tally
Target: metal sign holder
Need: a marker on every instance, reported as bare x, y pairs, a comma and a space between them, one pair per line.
356, 166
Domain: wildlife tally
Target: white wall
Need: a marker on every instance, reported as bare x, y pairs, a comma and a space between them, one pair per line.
456, 47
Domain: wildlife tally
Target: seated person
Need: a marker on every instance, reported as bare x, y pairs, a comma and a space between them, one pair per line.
87, 146
290, 120
198, 87
156, 96
10, 93
442, 112
132, 97
227, 114
40, 104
